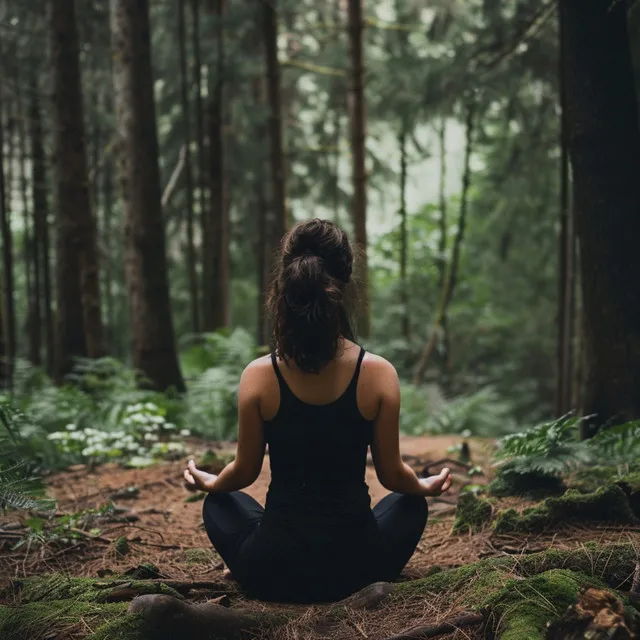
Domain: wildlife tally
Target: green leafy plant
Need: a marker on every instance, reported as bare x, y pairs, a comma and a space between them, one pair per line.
19, 489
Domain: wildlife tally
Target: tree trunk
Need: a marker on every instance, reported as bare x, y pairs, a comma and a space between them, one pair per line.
200, 133
565, 378
107, 226
604, 142
42, 288
263, 243
278, 172
79, 319
153, 340
404, 285
32, 326
451, 278
188, 174
357, 110
442, 226
215, 221
8, 308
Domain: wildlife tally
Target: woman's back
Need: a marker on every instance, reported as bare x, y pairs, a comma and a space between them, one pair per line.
307, 438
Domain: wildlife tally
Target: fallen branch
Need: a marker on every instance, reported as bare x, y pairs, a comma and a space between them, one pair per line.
435, 630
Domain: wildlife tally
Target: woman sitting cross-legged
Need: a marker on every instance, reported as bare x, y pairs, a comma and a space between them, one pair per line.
319, 401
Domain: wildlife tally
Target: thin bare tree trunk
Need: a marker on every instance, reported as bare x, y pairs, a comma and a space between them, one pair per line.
79, 319
263, 242
404, 285
442, 226
446, 294
200, 136
8, 304
215, 222
153, 338
43, 288
278, 171
566, 270
188, 174
357, 108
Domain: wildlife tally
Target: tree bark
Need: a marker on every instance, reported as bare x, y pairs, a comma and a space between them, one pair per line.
79, 318
451, 278
42, 263
263, 242
194, 297
442, 226
200, 132
32, 326
217, 260
8, 304
404, 285
278, 171
153, 339
604, 143
357, 110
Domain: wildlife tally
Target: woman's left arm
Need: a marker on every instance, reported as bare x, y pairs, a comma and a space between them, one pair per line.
246, 467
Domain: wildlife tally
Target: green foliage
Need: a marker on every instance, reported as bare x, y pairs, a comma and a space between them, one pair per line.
535, 461
552, 448
472, 513
18, 487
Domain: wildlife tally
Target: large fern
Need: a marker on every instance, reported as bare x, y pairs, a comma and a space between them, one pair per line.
552, 448
18, 488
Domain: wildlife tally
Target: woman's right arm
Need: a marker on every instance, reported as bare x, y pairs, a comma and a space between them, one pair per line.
392, 472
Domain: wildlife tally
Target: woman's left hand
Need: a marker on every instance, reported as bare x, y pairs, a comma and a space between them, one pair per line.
198, 479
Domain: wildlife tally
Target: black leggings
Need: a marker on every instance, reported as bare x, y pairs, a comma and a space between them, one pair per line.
230, 518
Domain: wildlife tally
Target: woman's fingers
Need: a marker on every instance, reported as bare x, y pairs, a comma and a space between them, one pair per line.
188, 477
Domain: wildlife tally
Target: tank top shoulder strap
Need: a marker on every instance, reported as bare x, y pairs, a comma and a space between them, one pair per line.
356, 373
282, 383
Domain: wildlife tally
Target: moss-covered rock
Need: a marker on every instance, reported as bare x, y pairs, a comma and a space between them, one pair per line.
63, 619
607, 504
58, 587
522, 609
531, 485
591, 479
472, 513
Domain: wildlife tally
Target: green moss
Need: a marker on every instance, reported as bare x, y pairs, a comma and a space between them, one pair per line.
613, 564
121, 546
126, 627
471, 513
58, 587
532, 485
201, 556
630, 484
522, 608
195, 497
68, 618
591, 479
607, 504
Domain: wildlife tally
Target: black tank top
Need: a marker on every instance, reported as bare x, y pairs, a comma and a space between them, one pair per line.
315, 446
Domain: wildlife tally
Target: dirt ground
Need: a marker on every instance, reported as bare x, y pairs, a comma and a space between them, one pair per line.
162, 528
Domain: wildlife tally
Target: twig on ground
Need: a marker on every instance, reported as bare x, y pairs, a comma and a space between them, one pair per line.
635, 585
435, 630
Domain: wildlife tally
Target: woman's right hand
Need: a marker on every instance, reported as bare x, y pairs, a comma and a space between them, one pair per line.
198, 479
436, 485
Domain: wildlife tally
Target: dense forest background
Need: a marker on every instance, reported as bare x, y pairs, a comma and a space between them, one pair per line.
154, 152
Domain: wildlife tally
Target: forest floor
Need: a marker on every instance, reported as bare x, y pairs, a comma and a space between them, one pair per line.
158, 521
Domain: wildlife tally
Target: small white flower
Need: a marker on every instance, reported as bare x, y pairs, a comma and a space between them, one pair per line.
169, 426
150, 437
175, 446
71, 427
185, 432
150, 406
